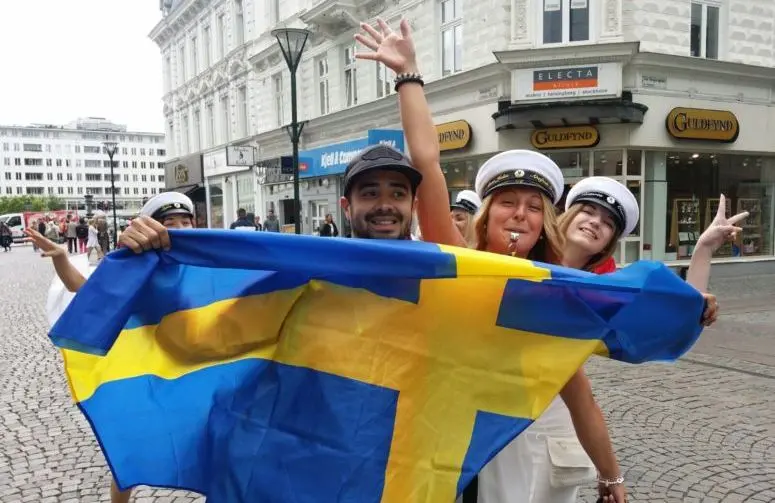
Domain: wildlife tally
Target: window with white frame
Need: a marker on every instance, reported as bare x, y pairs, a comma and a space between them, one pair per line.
194, 58
451, 36
210, 117
225, 119
705, 29
323, 95
350, 77
220, 33
206, 45
242, 104
384, 86
239, 23
565, 21
277, 91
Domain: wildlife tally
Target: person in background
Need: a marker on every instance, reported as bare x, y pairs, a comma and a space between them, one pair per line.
257, 220
329, 228
271, 224
72, 236
6, 237
82, 233
243, 223
463, 211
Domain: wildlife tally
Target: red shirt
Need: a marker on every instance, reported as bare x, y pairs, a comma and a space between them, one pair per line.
608, 266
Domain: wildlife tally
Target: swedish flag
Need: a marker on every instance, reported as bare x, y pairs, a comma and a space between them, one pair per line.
275, 368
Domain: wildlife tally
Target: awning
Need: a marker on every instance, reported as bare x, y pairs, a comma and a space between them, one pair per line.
186, 189
568, 113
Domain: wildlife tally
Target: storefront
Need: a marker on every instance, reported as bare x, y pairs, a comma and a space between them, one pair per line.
676, 130
186, 175
230, 183
321, 172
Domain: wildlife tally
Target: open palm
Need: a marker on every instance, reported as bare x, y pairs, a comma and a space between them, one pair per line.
47, 247
721, 229
396, 51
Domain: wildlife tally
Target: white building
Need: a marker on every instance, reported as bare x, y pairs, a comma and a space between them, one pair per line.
674, 97
70, 161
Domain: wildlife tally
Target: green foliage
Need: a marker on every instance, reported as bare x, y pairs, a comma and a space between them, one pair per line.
19, 204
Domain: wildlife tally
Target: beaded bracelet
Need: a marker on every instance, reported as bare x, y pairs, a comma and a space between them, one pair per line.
610, 482
403, 78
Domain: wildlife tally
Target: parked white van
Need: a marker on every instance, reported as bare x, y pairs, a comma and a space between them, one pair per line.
16, 222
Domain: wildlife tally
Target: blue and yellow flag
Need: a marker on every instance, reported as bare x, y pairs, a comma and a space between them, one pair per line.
275, 368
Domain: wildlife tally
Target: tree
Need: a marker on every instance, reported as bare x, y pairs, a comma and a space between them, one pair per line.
19, 204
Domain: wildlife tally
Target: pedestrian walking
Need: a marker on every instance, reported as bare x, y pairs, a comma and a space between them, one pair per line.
243, 223
6, 237
82, 233
71, 234
329, 228
271, 224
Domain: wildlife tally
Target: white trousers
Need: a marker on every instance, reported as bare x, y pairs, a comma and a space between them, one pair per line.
521, 472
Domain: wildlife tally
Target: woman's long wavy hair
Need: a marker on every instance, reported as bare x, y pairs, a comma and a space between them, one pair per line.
563, 223
548, 248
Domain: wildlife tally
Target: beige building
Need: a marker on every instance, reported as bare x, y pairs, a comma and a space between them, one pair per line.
670, 96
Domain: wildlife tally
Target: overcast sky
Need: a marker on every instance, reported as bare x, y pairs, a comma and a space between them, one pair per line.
64, 59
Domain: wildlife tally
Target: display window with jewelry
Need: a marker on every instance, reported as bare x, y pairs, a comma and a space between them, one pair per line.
694, 182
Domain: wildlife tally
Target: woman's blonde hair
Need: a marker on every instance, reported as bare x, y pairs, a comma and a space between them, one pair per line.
548, 248
564, 221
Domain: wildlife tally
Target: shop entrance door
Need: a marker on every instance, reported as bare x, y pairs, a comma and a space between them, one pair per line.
319, 212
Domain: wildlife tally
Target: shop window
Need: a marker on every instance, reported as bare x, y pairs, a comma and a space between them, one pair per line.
705, 30
634, 163
216, 206
565, 21
608, 163
694, 182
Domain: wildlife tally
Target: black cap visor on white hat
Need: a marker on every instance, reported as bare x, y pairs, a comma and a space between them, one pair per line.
171, 209
607, 202
520, 178
380, 157
465, 205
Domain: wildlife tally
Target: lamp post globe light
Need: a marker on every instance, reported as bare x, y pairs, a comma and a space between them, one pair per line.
111, 147
292, 42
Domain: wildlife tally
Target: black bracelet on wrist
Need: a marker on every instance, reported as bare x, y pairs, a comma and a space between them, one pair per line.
403, 78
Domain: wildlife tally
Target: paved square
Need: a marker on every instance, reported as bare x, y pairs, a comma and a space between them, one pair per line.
701, 430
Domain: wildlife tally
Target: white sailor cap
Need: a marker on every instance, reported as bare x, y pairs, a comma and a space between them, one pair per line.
520, 167
468, 201
611, 195
167, 203
99, 214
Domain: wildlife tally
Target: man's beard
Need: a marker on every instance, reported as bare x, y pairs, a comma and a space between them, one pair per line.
360, 226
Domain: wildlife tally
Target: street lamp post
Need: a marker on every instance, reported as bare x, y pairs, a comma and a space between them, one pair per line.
292, 42
111, 147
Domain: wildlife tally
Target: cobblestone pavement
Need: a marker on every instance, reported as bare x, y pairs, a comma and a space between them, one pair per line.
700, 430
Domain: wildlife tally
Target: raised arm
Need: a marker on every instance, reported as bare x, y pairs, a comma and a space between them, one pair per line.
397, 52
68, 274
719, 231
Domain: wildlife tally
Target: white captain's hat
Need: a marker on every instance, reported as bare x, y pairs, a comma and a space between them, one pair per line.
611, 195
168, 203
468, 201
520, 168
